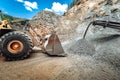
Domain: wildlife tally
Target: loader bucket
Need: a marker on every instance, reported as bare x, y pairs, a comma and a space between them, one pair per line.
53, 46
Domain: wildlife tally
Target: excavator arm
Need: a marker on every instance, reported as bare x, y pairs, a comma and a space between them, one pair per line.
104, 24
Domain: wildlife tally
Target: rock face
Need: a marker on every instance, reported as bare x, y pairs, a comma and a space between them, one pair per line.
93, 8
79, 16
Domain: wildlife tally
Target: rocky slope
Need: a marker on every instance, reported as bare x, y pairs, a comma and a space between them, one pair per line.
72, 23
80, 15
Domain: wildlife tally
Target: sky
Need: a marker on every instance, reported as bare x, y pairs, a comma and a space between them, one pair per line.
28, 8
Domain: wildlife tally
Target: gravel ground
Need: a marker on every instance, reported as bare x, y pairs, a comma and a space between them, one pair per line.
72, 67
38, 67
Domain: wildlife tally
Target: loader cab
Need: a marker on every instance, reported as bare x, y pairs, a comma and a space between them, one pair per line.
4, 26
4, 23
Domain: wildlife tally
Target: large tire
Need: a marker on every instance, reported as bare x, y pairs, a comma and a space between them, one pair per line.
15, 45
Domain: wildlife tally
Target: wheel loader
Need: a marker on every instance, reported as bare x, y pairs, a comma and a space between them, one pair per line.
17, 45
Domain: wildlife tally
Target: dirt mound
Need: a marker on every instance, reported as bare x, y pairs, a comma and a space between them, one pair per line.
45, 18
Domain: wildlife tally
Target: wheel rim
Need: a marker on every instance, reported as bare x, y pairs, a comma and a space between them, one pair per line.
15, 46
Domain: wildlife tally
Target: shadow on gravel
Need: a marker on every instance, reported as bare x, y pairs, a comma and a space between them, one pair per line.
108, 38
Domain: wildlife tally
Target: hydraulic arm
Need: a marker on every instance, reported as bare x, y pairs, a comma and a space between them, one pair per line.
110, 24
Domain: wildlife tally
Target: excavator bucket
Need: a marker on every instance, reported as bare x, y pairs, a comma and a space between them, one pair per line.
53, 46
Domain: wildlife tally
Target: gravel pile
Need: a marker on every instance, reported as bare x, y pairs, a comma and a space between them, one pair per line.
45, 18
82, 47
97, 57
